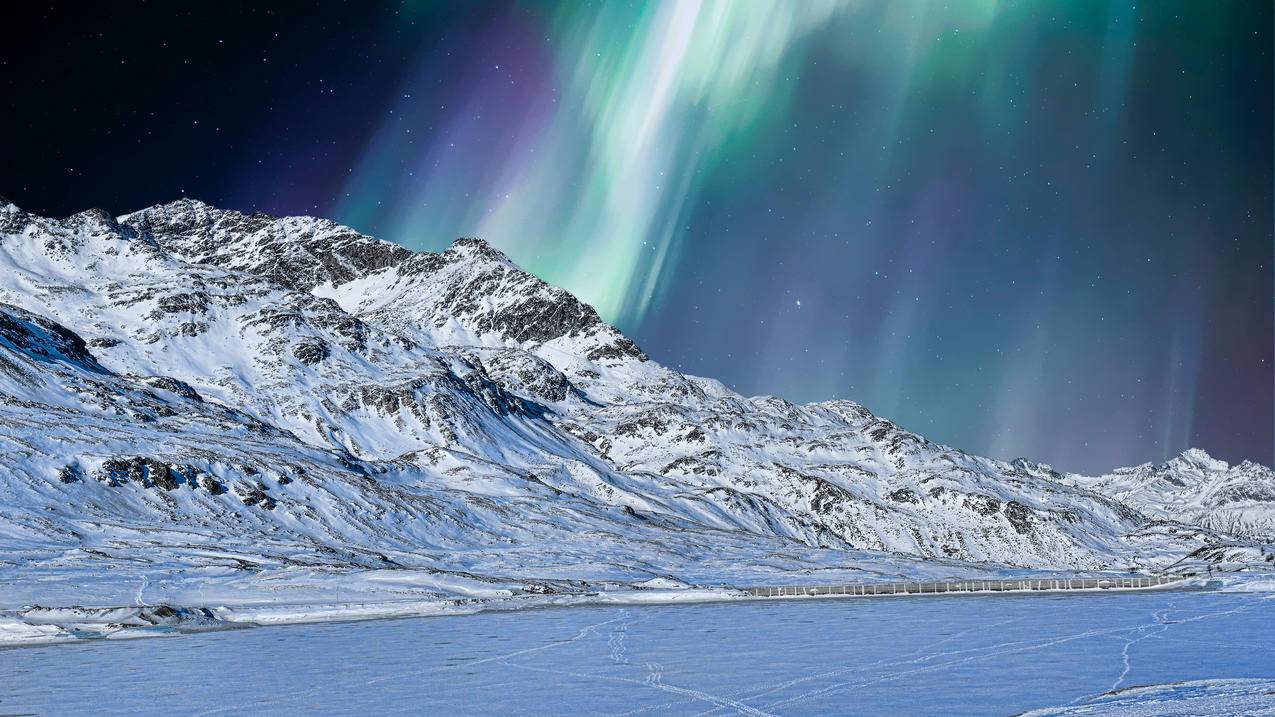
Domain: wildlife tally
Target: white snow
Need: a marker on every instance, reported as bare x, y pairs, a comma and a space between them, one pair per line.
206, 409
1197, 698
1205, 653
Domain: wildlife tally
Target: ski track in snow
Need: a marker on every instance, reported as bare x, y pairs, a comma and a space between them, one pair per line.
654, 677
1013, 647
1151, 630
1159, 625
615, 652
584, 632
763, 690
616, 643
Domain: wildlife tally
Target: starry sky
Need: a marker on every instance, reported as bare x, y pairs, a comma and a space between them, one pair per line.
1037, 228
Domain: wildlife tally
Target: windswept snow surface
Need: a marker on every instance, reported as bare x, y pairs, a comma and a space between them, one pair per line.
224, 415
1199, 698
926, 656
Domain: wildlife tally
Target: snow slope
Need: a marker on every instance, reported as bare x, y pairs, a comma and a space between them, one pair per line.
1196, 488
212, 405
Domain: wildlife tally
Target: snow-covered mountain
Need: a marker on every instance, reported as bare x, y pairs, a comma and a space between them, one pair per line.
1196, 488
194, 397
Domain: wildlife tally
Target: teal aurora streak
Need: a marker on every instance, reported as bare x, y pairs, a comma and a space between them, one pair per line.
1005, 225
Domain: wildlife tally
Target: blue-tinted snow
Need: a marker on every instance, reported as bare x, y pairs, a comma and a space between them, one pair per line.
1251, 698
940, 655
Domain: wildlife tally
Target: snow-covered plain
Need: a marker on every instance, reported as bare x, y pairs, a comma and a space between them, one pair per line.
1194, 698
943, 655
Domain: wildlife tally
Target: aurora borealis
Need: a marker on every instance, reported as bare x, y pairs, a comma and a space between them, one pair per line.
1019, 228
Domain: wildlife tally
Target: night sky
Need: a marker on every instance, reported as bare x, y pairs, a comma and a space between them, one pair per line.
1019, 228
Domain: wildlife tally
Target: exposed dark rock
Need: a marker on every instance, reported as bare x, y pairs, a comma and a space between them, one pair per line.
982, 504
654, 420
211, 484
695, 435
620, 348
695, 465
827, 496
1032, 468
310, 352
516, 370
189, 303
147, 472
172, 385
191, 328
255, 495
162, 475
1019, 516
904, 495
43, 339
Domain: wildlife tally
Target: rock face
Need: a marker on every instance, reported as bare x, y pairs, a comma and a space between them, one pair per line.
299, 390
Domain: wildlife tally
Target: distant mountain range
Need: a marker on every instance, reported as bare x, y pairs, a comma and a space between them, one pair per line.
215, 396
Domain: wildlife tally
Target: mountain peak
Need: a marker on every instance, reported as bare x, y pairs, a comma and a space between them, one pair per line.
471, 282
183, 214
93, 219
474, 247
1196, 459
186, 203
297, 252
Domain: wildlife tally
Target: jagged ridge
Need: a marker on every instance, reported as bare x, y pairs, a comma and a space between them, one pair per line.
289, 389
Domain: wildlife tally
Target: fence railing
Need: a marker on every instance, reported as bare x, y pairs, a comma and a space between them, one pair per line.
963, 586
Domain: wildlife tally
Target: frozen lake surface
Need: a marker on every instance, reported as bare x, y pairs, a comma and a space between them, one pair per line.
922, 655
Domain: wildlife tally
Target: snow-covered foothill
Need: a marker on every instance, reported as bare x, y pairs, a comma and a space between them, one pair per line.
204, 408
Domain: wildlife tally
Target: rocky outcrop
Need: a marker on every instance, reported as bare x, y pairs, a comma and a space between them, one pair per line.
286, 381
